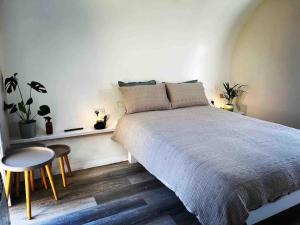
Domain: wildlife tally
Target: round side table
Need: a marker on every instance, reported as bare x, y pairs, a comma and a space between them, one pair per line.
31, 172
25, 160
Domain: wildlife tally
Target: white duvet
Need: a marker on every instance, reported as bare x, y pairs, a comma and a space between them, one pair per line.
220, 164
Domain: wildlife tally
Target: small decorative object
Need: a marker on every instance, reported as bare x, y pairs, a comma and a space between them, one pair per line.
73, 129
27, 122
49, 125
212, 102
231, 93
101, 119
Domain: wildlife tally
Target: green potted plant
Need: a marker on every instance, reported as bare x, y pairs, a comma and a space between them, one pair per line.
230, 93
27, 123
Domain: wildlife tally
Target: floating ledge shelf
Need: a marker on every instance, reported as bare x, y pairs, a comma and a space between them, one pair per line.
62, 134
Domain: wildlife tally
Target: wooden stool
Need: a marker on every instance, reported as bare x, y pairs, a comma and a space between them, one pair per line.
61, 152
26, 160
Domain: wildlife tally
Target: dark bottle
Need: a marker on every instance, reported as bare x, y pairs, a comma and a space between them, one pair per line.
49, 126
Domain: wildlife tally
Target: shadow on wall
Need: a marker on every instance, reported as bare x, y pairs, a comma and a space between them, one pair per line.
266, 57
231, 37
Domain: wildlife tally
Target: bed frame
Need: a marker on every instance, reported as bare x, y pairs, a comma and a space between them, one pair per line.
266, 210
273, 208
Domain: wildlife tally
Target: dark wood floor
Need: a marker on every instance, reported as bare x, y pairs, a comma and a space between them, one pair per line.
116, 194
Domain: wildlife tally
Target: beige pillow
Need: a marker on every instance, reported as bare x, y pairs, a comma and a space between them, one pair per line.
186, 94
145, 98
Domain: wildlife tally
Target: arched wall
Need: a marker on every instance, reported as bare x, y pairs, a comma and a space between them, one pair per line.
267, 58
80, 49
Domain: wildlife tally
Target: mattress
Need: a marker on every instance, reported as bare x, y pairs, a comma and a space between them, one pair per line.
220, 164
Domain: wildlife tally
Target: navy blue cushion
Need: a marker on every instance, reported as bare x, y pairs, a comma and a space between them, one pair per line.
130, 84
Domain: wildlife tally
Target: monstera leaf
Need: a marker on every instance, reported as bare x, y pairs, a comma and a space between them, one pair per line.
11, 83
29, 101
7, 106
13, 109
37, 87
21, 107
44, 110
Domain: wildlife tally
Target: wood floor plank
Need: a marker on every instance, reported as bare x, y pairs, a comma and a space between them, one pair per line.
127, 191
110, 176
45, 212
162, 220
87, 189
140, 215
140, 177
185, 218
97, 212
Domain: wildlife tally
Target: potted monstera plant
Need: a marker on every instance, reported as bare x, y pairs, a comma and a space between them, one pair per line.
22, 108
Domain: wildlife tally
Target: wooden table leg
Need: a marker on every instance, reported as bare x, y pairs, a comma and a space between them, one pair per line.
66, 158
62, 171
27, 191
31, 176
43, 177
17, 183
51, 182
8, 183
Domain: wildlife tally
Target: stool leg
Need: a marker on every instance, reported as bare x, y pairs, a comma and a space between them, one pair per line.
51, 182
43, 177
27, 191
66, 158
62, 171
17, 183
8, 183
31, 176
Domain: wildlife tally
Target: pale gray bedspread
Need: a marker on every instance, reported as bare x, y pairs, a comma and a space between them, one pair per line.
220, 164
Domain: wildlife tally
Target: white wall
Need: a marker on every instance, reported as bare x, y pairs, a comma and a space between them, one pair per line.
91, 151
267, 57
80, 49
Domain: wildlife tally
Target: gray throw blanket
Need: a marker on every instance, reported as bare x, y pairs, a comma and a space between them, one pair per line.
220, 164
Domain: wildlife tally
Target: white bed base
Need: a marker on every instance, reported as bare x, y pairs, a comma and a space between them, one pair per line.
274, 208
266, 210
131, 159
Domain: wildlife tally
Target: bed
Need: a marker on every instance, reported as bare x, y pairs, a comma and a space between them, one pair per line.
223, 166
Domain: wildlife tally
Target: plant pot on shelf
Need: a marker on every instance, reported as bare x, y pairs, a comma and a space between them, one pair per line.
229, 107
27, 128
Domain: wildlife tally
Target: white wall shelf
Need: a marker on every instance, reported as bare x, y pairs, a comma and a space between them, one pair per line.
62, 134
